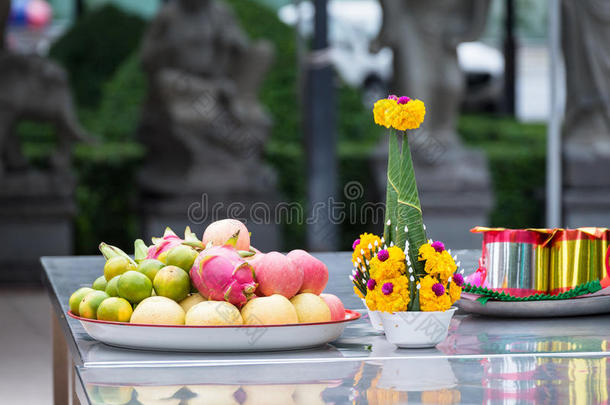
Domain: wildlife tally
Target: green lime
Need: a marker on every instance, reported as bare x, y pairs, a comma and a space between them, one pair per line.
88, 306
117, 265
150, 267
112, 288
181, 256
172, 282
114, 309
77, 297
134, 286
100, 283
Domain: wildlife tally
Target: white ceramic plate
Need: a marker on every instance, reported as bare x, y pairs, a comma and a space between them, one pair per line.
244, 338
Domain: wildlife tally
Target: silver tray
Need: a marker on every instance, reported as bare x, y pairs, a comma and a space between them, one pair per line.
539, 309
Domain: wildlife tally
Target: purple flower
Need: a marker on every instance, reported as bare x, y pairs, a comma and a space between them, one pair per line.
371, 284
403, 100
393, 97
458, 279
383, 255
387, 288
356, 243
438, 246
438, 289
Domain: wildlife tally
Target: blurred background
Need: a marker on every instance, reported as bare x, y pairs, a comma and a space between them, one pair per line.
120, 117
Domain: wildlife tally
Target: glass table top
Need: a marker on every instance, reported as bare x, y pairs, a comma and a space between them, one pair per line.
491, 360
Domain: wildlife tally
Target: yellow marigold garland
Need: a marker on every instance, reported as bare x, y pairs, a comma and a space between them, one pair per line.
428, 299
392, 267
399, 113
439, 264
365, 240
396, 300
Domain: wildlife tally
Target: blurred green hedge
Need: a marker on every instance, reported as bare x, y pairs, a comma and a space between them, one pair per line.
517, 163
93, 48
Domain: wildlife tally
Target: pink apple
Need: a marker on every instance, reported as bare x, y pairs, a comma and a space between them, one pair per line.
315, 273
276, 274
337, 310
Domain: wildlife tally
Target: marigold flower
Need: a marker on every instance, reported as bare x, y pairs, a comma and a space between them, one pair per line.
365, 240
392, 267
386, 299
439, 264
380, 111
455, 292
405, 116
428, 299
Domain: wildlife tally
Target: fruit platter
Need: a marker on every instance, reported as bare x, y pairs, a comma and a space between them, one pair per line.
214, 294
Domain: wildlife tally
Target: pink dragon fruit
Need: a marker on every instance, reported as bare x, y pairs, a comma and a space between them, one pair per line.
220, 274
169, 241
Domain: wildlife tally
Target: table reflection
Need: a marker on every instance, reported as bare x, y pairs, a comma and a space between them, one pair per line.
449, 380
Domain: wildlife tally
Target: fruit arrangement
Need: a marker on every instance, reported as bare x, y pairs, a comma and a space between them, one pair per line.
218, 280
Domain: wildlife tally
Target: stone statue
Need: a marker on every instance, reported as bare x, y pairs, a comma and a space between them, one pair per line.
423, 36
585, 38
34, 88
37, 206
202, 123
585, 28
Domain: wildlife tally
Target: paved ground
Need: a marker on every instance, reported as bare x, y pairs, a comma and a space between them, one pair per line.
25, 347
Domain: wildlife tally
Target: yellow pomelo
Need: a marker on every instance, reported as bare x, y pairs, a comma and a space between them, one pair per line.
213, 313
191, 300
158, 311
272, 310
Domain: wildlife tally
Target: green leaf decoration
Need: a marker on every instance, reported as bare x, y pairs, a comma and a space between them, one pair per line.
409, 212
403, 216
487, 294
392, 188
